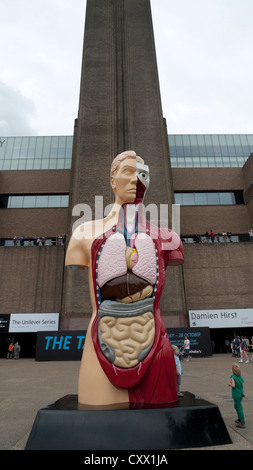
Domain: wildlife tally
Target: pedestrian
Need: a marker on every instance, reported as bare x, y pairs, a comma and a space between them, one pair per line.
179, 370
15, 240
244, 350
251, 346
186, 347
224, 236
237, 345
22, 240
212, 236
236, 383
251, 235
218, 237
10, 351
229, 236
17, 349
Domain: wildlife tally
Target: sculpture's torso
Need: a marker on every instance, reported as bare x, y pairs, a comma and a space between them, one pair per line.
128, 278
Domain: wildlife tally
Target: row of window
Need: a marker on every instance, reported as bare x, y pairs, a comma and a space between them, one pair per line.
195, 162
36, 147
35, 201
209, 198
36, 153
211, 145
38, 164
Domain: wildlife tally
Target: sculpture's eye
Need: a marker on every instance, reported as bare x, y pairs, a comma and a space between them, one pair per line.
144, 175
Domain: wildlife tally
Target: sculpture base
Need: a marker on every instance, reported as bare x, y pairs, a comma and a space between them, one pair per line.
66, 425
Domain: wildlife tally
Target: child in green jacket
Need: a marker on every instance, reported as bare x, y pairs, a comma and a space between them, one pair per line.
236, 382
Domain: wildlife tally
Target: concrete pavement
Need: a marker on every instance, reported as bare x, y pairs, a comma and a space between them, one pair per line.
27, 385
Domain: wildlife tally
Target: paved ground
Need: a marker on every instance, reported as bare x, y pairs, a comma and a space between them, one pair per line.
27, 385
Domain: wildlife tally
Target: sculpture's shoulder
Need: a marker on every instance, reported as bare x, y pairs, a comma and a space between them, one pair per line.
79, 246
170, 244
78, 253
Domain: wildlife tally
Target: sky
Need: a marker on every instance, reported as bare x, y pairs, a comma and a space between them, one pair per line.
204, 55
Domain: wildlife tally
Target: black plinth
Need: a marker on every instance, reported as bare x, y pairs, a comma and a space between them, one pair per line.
191, 422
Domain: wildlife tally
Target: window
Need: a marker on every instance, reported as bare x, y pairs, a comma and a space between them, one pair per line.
34, 201
209, 198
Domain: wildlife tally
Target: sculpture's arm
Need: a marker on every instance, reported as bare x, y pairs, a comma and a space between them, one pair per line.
78, 251
173, 247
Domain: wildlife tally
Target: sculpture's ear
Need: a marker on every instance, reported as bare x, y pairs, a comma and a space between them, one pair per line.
113, 184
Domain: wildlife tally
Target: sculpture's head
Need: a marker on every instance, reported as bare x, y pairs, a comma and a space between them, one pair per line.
129, 178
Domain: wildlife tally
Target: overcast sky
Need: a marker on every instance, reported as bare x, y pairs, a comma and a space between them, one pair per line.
205, 63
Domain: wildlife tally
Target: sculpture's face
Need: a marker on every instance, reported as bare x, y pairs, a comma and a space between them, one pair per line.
130, 181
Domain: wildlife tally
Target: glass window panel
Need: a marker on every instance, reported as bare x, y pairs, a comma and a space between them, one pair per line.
60, 163
47, 147
29, 164
172, 146
200, 199
250, 141
14, 164
52, 163
67, 163
29, 201
216, 145
39, 147
45, 164
245, 145
3, 147
9, 147
237, 143
223, 145
64, 201
187, 146
42, 201
209, 146
202, 145
17, 146
54, 201
7, 165
37, 164
22, 164
61, 152
179, 145
226, 198
1, 164
178, 198
194, 145
230, 144
213, 198
188, 199
16, 202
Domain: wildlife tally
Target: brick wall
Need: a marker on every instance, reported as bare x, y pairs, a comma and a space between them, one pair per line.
31, 279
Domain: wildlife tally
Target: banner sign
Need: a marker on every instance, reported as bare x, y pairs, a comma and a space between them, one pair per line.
60, 346
200, 341
223, 318
4, 323
33, 322
68, 345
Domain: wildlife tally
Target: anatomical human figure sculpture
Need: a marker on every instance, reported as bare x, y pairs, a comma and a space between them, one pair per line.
127, 356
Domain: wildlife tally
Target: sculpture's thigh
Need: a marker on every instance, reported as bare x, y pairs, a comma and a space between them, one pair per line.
94, 388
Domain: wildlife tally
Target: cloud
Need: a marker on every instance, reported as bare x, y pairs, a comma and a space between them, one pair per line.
16, 112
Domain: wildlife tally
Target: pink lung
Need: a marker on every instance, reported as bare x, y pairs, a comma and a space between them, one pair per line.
146, 264
112, 260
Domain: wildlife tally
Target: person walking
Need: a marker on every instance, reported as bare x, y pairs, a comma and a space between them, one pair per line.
10, 351
237, 342
236, 383
244, 350
179, 370
17, 349
186, 347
